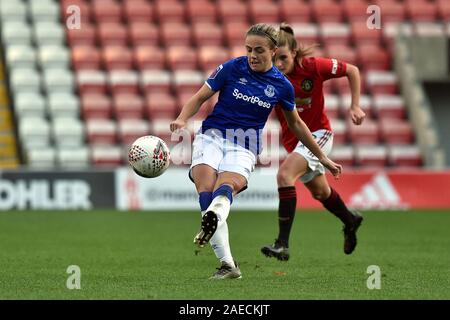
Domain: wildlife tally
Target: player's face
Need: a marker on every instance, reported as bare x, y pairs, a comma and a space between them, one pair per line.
259, 53
284, 59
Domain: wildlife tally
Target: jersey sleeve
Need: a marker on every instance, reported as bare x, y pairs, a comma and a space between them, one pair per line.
219, 76
330, 68
287, 97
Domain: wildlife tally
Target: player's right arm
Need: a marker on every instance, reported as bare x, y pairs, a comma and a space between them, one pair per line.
191, 107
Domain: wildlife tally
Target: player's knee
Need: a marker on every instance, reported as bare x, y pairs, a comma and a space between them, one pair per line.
320, 195
284, 179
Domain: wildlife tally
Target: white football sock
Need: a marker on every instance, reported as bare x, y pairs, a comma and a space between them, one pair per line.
221, 207
221, 245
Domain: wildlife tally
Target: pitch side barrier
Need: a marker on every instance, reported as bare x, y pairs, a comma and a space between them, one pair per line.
124, 190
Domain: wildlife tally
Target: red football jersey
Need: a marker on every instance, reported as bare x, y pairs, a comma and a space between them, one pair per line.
307, 80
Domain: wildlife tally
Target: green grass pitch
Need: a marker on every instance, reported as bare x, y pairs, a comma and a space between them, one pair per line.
150, 255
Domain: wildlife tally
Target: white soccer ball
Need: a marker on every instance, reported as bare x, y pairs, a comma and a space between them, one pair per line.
149, 156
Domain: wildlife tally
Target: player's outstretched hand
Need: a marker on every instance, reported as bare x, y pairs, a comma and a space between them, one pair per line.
335, 169
177, 124
357, 115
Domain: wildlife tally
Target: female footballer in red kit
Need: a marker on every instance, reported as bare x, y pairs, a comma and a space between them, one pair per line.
307, 75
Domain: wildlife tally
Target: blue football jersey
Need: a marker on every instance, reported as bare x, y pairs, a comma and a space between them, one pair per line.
245, 101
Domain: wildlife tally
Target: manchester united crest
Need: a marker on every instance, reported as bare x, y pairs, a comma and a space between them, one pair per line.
307, 85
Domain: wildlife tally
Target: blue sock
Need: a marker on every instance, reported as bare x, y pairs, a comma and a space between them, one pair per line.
224, 190
205, 199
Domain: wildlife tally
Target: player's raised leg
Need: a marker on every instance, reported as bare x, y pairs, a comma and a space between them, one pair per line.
332, 201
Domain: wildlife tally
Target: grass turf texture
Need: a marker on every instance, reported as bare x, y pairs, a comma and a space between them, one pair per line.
150, 255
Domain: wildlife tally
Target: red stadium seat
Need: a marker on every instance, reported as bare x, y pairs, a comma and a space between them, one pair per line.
355, 10
294, 10
85, 10
156, 81
327, 11
207, 34
392, 11
363, 35
149, 57
201, 11
306, 33
175, 34
263, 10
107, 156
106, 11
161, 128
344, 155
341, 52
443, 7
187, 80
234, 33
211, 57
335, 33
371, 156
169, 11
373, 57
396, 132
233, 11
96, 106
143, 33
110, 33
365, 102
86, 57
91, 81
339, 130
368, 133
405, 156
181, 58
83, 36
131, 129
381, 82
237, 51
123, 81
332, 106
389, 106
117, 58
160, 105
128, 106
421, 10
138, 11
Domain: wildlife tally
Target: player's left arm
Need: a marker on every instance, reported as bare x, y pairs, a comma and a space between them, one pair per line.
354, 80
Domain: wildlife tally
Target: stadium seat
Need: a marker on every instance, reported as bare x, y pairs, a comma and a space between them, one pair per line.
263, 10
117, 58
44, 10
339, 130
211, 57
106, 11
149, 58
207, 34
368, 133
160, 105
181, 58
233, 11
112, 34
85, 9
334, 33
131, 129
362, 35
138, 11
128, 106
443, 7
52, 56
25, 79
427, 29
41, 158
101, 132
234, 33
86, 57
396, 132
16, 32
201, 11
365, 102
175, 34
169, 11
143, 33
68, 132
107, 155
156, 81
392, 11
34, 132
381, 82
58, 80
46, 32
327, 11
63, 104
405, 156
123, 81
91, 81
236, 51
341, 52
332, 106
29, 104
96, 106
19, 55
373, 57
371, 156
294, 10
421, 10
187, 80
341, 85
306, 33
344, 155
86, 36
389, 106
161, 128
13, 11
74, 158
355, 10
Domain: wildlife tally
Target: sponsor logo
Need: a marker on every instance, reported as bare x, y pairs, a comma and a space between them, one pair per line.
215, 72
243, 81
303, 103
269, 91
334, 67
252, 99
379, 193
307, 85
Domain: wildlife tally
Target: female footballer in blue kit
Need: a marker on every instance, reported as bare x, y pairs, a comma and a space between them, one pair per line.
225, 148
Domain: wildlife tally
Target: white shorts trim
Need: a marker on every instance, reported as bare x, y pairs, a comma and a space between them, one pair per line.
324, 139
222, 155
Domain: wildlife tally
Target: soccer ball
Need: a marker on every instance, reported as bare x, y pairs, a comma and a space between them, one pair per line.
149, 156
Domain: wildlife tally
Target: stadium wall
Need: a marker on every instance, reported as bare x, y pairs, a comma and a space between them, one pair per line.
124, 190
